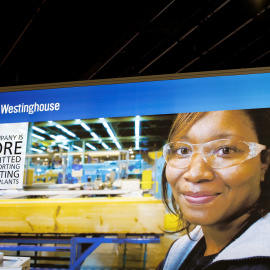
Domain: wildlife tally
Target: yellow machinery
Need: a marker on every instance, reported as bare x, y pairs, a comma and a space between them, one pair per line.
29, 173
49, 177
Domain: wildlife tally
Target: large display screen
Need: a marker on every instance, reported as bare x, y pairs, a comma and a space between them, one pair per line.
104, 138
69, 117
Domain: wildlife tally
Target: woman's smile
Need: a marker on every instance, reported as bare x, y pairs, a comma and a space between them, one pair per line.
201, 197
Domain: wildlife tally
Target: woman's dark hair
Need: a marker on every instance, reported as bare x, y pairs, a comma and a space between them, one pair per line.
260, 119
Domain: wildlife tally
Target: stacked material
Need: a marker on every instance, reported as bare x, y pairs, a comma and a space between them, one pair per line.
82, 215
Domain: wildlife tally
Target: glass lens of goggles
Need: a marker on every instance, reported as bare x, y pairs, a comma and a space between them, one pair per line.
217, 154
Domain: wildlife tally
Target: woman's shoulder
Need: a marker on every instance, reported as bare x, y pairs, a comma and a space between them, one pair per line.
253, 246
253, 243
180, 249
262, 263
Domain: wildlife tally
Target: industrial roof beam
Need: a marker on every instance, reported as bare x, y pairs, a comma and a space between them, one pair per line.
184, 36
129, 41
240, 51
222, 40
20, 36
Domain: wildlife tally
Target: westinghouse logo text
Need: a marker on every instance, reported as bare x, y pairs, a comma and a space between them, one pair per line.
29, 108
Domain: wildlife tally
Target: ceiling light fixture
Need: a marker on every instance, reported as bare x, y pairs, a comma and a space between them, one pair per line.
137, 132
36, 150
63, 146
105, 146
38, 137
39, 129
94, 135
110, 132
91, 146
85, 126
77, 147
66, 130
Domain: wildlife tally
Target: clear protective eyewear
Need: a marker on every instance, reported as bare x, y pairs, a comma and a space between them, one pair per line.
217, 154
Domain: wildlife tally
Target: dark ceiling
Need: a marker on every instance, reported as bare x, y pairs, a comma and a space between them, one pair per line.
44, 41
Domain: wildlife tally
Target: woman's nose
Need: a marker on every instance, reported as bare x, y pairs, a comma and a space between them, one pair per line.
198, 170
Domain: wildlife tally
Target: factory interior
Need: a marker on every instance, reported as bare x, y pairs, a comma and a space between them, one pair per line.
95, 179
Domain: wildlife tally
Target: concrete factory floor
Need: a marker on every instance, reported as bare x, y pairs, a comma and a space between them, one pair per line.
110, 256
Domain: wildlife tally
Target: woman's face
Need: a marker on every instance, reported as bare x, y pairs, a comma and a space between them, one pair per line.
208, 196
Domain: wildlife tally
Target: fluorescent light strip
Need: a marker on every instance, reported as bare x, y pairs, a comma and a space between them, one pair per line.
105, 124
93, 134
77, 147
36, 150
63, 146
66, 130
137, 127
105, 145
58, 126
70, 133
91, 146
137, 132
59, 138
85, 126
110, 132
118, 145
53, 137
38, 137
39, 129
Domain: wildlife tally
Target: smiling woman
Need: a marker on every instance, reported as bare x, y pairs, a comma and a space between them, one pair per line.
217, 167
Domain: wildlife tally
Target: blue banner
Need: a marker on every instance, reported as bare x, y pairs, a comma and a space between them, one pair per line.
140, 98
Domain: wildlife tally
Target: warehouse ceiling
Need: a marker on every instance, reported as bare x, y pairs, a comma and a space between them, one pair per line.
91, 134
45, 41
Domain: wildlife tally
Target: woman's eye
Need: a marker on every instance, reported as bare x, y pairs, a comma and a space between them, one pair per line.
183, 151
226, 151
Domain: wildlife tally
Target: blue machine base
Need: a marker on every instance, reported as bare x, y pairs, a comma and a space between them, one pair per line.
79, 247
